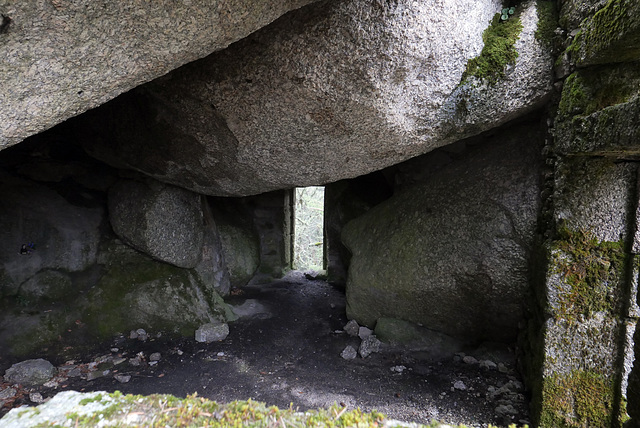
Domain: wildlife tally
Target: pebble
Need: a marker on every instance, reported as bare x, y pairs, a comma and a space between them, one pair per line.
352, 328
136, 361
364, 332
7, 393
459, 385
155, 356
36, 397
51, 384
468, 359
502, 368
97, 374
506, 410
139, 334
398, 369
368, 346
349, 353
75, 372
122, 378
488, 365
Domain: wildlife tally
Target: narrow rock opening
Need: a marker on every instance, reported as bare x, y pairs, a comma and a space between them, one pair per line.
308, 228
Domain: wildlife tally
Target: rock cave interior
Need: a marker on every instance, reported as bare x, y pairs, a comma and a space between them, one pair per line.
340, 203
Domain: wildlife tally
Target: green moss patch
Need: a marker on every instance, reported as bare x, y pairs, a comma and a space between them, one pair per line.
193, 411
590, 268
612, 35
586, 92
547, 22
578, 399
498, 51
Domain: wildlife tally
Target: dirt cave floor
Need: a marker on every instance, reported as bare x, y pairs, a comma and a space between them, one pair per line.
287, 351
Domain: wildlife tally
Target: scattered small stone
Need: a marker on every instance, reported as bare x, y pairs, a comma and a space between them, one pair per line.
352, 328
97, 374
506, 410
349, 353
179, 352
122, 378
7, 393
115, 349
368, 346
75, 372
139, 334
30, 372
398, 369
459, 385
502, 368
364, 332
53, 383
220, 354
119, 360
468, 359
153, 363
488, 365
155, 356
212, 332
136, 361
36, 397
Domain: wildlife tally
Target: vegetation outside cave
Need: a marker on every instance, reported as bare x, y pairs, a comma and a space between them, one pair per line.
309, 228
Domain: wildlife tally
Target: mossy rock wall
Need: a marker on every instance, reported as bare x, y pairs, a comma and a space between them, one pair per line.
587, 294
611, 35
136, 291
599, 112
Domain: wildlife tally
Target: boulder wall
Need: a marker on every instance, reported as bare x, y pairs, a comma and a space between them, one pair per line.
451, 252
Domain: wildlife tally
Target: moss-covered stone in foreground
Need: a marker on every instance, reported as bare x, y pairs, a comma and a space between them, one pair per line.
166, 410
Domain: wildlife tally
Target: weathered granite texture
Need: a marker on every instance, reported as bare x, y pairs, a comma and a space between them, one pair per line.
338, 89
163, 221
59, 58
451, 252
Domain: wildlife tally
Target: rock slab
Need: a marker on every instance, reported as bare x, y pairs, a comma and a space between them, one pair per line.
61, 58
30, 372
